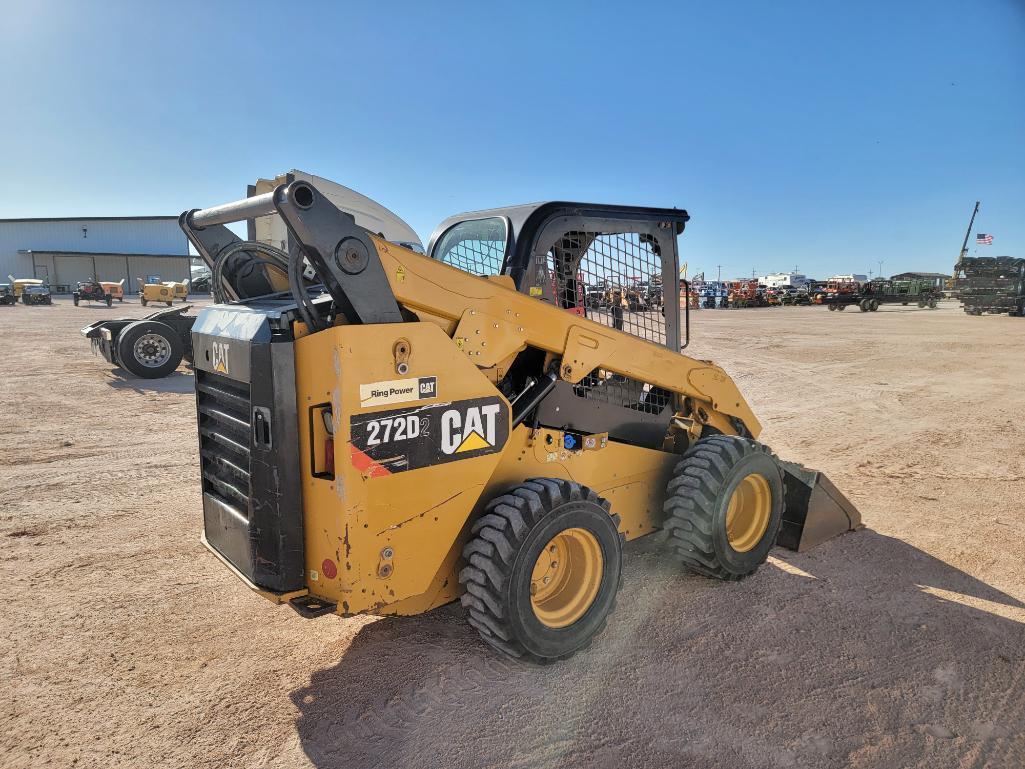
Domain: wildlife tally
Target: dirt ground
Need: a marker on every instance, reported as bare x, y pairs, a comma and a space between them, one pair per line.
123, 643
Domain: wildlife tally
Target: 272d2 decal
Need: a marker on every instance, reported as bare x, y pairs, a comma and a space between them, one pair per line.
406, 439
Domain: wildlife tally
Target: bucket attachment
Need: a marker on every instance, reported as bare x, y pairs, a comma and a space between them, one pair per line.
815, 509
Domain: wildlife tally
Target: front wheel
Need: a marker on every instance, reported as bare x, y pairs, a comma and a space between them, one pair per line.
544, 564
724, 505
149, 349
144, 301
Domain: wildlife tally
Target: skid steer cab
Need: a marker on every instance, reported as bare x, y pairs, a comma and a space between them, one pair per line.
383, 431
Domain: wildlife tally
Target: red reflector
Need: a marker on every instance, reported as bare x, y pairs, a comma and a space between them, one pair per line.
328, 568
329, 456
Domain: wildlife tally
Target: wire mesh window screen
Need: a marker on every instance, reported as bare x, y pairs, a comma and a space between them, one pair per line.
612, 278
477, 246
606, 387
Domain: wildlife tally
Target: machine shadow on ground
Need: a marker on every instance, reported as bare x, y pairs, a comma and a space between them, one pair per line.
180, 382
821, 631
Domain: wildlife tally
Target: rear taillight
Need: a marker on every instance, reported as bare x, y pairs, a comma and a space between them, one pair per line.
329, 456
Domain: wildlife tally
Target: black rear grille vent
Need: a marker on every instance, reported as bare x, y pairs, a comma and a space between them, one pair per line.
224, 428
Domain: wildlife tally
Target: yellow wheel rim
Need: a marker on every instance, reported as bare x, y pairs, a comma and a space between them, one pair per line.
566, 577
747, 516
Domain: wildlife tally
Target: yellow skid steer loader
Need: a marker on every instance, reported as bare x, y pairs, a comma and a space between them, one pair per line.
383, 431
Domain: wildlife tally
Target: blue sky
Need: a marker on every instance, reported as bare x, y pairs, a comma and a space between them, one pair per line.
827, 135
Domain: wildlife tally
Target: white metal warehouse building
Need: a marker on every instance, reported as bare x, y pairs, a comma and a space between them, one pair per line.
66, 250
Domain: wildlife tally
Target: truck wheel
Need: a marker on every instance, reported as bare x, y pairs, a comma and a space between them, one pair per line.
543, 567
932, 303
143, 300
109, 299
149, 349
873, 305
74, 298
723, 506
121, 298
841, 307
863, 305
921, 304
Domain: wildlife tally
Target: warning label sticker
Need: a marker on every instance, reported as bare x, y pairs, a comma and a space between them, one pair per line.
398, 391
406, 439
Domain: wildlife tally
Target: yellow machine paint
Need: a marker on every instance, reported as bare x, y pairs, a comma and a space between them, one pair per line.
409, 429
420, 518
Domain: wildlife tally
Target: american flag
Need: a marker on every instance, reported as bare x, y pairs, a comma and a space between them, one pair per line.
983, 240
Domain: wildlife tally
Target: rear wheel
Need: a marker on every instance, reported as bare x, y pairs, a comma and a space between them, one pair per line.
109, 300
863, 305
932, 303
544, 564
841, 307
144, 301
149, 349
74, 298
832, 307
873, 305
723, 506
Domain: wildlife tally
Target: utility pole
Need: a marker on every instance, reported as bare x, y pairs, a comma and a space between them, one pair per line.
880, 269
968, 232
719, 275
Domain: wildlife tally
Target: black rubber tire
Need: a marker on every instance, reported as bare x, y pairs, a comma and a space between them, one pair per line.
505, 543
841, 307
932, 303
863, 305
126, 348
143, 300
921, 304
832, 308
170, 303
873, 305
120, 298
74, 298
109, 300
697, 499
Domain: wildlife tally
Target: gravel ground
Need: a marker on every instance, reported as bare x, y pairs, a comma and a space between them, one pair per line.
125, 644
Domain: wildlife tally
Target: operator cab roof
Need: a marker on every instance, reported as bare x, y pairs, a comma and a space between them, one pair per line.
525, 221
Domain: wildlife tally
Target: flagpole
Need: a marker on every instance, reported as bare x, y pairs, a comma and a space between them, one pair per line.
968, 232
